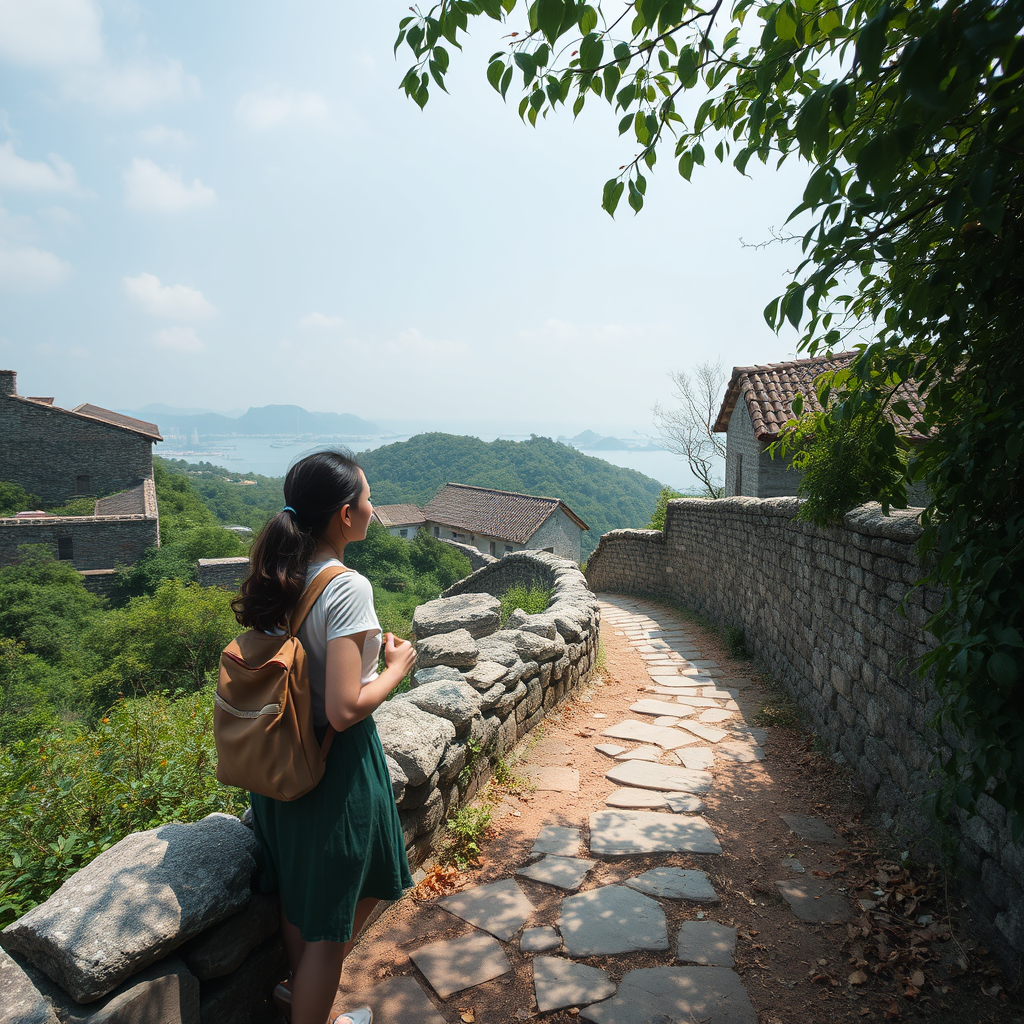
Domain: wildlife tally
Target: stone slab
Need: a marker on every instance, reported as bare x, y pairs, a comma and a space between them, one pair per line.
130, 906
741, 753
696, 702
665, 690
561, 872
675, 884
551, 779
710, 733
642, 753
667, 721
557, 839
713, 715
648, 706
706, 663
717, 693
792, 864
642, 732
401, 999
749, 734
619, 832
20, 1001
695, 758
539, 940
814, 830
676, 995
501, 908
811, 900
611, 920
664, 777
609, 749
636, 799
452, 965
707, 943
683, 803
559, 983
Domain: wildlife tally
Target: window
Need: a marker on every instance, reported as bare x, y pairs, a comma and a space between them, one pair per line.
493, 547
403, 533
82, 483
437, 531
508, 548
65, 548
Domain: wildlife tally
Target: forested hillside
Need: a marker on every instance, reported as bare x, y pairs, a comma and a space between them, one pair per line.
606, 497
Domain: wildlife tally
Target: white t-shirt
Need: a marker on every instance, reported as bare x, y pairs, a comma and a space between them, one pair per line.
344, 608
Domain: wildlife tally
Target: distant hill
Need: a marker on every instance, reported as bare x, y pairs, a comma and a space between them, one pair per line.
606, 497
266, 420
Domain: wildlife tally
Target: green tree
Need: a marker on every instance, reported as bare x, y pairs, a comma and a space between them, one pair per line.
14, 499
661, 509
909, 118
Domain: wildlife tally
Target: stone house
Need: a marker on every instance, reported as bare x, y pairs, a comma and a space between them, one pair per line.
399, 520
500, 522
757, 403
60, 454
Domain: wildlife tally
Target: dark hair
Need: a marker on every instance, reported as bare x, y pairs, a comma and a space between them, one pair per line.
314, 489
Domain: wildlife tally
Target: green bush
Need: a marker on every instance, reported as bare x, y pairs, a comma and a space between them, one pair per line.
530, 599
661, 509
15, 499
69, 797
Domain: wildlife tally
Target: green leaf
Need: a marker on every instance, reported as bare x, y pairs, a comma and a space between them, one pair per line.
506, 80
591, 51
686, 165
686, 67
549, 17
494, 72
622, 52
588, 19
785, 25
1002, 668
524, 61
794, 301
613, 190
871, 42
612, 77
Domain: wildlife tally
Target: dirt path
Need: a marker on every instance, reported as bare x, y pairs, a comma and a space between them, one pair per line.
875, 943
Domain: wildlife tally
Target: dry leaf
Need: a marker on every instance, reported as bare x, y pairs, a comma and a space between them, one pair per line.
857, 978
468, 1016
917, 979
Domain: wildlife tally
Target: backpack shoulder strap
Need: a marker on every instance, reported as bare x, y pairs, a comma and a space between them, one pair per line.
311, 594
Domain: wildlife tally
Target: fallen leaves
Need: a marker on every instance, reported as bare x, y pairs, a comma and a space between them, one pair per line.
468, 1015
857, 978
441, 880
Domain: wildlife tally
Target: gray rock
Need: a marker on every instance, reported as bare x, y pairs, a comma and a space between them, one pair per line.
510, 700
399, 780
560, 983
165, 993
244, 997
642, 732
542, 624
562, 872
452, 965
636, 799
499, 647
676, 995
20, 1001
457, 649
414, 738
402, 1000
224, 947
423, 819
617, 833
814, 830
484, 731
491, 698
557, 839
516, 619
452, 763
611, 920
813, 900
539, 940
435, 674
500, 908
458, 702
663, 777
477, 614
675, 884
681, 803
706, 942
484, 674
136, 902
532, 647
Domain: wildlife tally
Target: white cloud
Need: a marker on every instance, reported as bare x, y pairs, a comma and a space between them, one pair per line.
151, 188
183, 340
174, 302
273, 106
25, 268
322, 321
35, 175
160, 135
412, 344
64, 38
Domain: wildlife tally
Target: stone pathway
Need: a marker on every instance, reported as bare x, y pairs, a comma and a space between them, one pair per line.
687, 734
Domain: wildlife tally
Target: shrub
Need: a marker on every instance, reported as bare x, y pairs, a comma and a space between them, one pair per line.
530, 599
14, 499
464, 831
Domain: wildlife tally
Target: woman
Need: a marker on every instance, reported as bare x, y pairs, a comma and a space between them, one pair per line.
336, 851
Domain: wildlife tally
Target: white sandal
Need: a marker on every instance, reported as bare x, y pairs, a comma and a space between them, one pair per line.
360, 1015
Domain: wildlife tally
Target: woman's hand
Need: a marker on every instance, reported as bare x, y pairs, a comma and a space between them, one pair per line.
398, 654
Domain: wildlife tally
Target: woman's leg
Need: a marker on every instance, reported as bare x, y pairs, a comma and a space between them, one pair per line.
364, 908
293, 942
315, 982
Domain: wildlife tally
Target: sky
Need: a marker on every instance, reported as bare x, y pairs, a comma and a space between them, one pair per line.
227, 205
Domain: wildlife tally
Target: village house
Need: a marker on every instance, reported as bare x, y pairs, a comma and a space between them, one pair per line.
757, 404
494, 522
59, 454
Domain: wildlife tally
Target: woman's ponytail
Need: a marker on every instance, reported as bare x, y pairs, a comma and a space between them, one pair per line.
314, 489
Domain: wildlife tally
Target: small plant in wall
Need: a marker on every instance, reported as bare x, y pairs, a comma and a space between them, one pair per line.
463, 835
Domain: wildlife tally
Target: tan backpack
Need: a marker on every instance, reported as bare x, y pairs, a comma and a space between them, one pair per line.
263, 713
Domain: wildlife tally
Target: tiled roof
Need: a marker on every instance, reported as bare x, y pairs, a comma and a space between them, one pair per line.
398, 515
502, 514
768, 392
94, 412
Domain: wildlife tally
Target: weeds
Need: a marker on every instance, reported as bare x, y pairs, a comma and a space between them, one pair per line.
779, 710
503, 774
463, 835
472, 757
602, 657
736, 642
531, 600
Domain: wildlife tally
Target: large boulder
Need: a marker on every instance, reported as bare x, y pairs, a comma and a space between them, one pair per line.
20, 1001
243, 997
435, 673
458, 702
532, 647
222, 949
484, 674
414, 739
136, 902
478, 614
457, 649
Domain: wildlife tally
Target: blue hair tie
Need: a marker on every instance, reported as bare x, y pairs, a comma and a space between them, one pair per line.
288, 508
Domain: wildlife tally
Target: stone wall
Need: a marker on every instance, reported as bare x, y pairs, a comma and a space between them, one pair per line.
46, 449
226, 573
819, 610
100, 541
166, 926
477, 558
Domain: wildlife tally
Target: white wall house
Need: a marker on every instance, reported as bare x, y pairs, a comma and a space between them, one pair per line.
399, 520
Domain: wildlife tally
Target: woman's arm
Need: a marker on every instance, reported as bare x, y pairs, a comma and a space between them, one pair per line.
347, 700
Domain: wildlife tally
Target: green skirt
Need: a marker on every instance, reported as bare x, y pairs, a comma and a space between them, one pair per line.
340, 843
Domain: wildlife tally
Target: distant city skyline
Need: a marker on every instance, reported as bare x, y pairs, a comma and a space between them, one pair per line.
233, 205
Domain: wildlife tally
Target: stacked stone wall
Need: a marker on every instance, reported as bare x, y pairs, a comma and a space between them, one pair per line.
477, 558
820, 609
226, 573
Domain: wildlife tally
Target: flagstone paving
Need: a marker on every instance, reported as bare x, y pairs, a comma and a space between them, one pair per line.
654, 808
